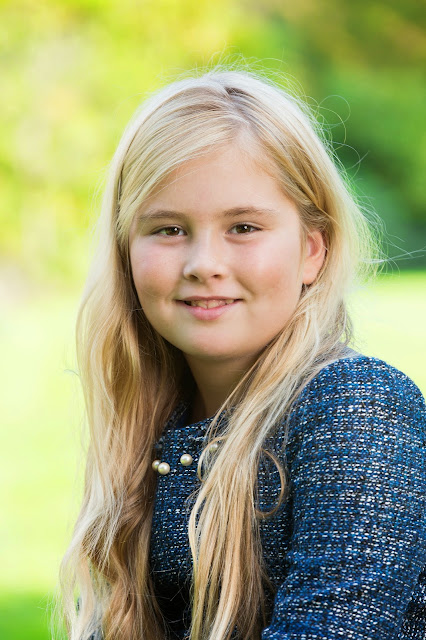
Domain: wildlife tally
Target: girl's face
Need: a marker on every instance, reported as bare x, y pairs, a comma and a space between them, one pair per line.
218, 259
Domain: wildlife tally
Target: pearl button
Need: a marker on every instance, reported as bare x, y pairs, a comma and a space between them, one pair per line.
156, 464
186, 459
163, 468
214, 447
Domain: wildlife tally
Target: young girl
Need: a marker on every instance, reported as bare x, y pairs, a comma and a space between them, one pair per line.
249, 476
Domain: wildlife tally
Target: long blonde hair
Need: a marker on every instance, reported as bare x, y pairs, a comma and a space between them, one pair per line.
132, 377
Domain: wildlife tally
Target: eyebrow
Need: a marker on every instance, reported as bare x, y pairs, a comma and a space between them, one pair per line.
161, 214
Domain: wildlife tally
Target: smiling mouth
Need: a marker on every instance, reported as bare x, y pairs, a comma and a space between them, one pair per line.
209, 304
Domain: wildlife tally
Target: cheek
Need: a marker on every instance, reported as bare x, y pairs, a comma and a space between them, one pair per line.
275, 271
150, 273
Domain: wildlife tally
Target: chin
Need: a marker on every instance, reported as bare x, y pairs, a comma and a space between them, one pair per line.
212, 355
210, 351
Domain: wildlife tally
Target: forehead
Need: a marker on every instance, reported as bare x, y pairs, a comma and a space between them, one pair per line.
225, 178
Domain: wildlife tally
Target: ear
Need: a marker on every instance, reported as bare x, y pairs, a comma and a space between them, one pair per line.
315, 254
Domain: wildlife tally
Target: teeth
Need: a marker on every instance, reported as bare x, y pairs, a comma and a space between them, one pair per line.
208, 304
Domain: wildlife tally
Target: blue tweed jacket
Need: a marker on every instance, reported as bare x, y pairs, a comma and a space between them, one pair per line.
346, 551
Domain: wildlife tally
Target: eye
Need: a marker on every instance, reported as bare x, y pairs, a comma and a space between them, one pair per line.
244, 228
169, 231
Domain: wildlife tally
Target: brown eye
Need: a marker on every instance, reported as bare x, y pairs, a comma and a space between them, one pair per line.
244, 228
169, 231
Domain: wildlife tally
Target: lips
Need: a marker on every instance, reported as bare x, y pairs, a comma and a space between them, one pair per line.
209, 304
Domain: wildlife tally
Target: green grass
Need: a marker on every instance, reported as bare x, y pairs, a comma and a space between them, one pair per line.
24, 616
42, 415
389, 319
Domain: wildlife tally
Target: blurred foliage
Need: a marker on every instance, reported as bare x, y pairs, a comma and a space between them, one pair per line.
73, 71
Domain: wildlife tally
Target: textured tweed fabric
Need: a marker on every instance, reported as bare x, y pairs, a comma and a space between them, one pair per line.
346, 551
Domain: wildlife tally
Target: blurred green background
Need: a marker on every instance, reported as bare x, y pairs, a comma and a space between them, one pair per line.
72, 73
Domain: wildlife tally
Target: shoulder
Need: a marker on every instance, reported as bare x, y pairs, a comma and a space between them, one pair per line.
359, 377
359, 394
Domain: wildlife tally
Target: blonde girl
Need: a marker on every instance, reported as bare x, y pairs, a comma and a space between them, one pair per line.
249, 476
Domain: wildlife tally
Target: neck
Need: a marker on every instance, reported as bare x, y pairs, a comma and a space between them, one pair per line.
215, 381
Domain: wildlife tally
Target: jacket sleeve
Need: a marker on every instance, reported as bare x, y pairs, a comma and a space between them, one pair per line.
357, 466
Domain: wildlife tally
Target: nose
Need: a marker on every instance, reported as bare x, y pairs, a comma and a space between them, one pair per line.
205, 259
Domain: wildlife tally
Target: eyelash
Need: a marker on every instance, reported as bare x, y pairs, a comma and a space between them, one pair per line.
245, 224
160, 232
163, 230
